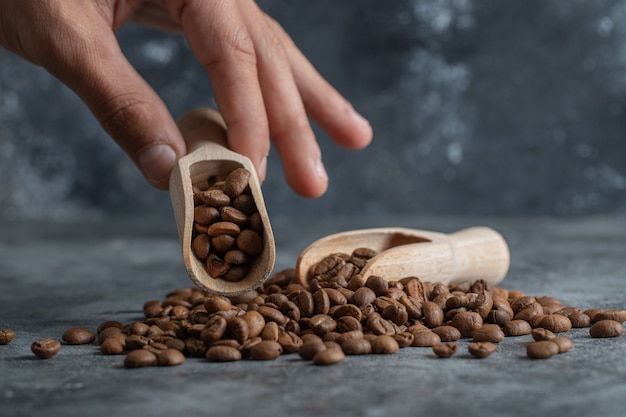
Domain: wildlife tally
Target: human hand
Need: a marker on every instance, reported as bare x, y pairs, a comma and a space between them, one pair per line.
264, 86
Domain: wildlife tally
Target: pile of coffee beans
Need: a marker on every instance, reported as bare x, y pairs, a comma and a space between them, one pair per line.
228, 229
338, 314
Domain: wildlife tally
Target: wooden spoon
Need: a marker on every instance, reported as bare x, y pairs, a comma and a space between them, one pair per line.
204, 131
469, 254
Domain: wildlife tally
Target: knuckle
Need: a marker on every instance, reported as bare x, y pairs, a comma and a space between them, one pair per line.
122, 115
235, 47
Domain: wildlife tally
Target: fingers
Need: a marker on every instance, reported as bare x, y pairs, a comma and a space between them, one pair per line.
289, 126
323, 103
221, 42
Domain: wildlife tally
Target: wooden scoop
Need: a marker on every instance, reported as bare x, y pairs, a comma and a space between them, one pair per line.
204, 131
469, 254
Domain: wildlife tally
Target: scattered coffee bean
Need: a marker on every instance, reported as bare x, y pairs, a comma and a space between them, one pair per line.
481, 349
266, 350
542, 334
542, 349
556, 323
425, 339
488, 333
615, 314
78, 336
139, 358
447, 333
46, 348
564, 343
223, 354
384, 344
445, 350
517, 328
171, 357
606, 328
329, 357
6, 336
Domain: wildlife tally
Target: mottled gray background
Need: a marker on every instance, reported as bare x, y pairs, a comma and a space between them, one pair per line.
478, 107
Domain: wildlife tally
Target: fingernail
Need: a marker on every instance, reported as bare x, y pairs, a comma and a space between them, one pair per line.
360, 119
156, 161
321, 171
262, 171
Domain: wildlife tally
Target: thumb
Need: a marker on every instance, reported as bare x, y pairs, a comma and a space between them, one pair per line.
128, 109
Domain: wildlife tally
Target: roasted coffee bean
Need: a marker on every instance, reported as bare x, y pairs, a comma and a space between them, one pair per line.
556, 323
6, 336
542, 349
309, 349
377, 284
517, 328
171, 357
363, 296
350, 310
542, 334
527, 313
214, 198
255, 322
321, 302
488, 333
606, 328
481, 349
195, 347
432, 314
201, 245
322, 324
447, 333
216, 303
384, 344
223, 354
272, 314
45, 348
576, 317
250, 242
266, 350
404, 339
139, 358
347, 324
237, 329
231, 214
445, 350
113, 345
467, 322
564, 343
591, 312
270, 331
329, 356
245, 348
290, 342
78, 336
175, 343
205, 215
119, 324
107, 332
396, 313
615, 315
223, 228
236, 182
305, 303
358, 346
376, 324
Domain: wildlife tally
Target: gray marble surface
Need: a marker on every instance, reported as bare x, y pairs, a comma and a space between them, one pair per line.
54, 276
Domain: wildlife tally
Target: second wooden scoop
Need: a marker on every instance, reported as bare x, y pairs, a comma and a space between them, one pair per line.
204, 131
469, 254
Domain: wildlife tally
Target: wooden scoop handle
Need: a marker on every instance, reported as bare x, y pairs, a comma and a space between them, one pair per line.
469, 254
